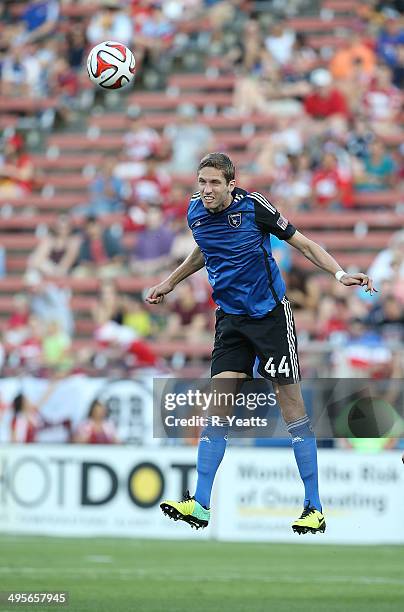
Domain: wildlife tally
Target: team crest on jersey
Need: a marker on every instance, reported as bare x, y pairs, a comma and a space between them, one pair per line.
234, 219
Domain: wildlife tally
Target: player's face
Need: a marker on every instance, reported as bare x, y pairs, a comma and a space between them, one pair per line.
215, 192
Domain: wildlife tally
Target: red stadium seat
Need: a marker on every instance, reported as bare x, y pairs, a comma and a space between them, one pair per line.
118, 122
321, 41
359, 261
342, 6
26, 105
347, 220
54, 203
318, 24
66, 162
187, 82
78, 142
379, 198
159, 102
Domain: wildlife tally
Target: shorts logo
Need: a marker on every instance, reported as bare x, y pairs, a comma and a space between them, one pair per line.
282, 222
234, 219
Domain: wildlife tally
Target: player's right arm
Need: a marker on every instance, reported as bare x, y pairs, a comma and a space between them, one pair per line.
194, 262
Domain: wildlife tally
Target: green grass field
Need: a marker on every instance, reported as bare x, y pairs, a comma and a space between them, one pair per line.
111, 575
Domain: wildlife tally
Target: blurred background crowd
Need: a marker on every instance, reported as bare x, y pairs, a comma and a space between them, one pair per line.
305, 96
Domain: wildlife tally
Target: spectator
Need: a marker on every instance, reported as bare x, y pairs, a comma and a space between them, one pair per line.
359, 137
26, 420
381, 101
189, 140
21, 73
175, 205
387, 315
153, 185
57, 252
97, 428
101, 253
27, 354
280, 43
378, 170
152, 251
303, 59
364, 355
107, 191
16, 170
155, 35
303, 289
140, 140
17, 325
56, 347
331, 189
346, 60
49, 302
64, 83
76, 46
110, 306
389, 40
398, 70
40, 19
110, 23
183, 242
188, 319
389, 263
325, 101
137, 317
332, 321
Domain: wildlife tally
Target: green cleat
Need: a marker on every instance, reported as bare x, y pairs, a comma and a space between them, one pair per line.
188, 510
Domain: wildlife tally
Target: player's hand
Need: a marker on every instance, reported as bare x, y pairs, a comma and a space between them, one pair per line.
363, 280
156, 294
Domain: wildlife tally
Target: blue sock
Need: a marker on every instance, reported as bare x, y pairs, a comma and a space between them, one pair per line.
212, 445
305, 449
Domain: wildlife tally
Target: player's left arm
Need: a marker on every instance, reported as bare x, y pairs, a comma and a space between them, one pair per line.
316, 254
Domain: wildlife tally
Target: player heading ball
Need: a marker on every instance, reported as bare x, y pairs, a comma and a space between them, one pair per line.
232, 229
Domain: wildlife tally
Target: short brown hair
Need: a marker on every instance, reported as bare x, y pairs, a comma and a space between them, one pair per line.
220, 161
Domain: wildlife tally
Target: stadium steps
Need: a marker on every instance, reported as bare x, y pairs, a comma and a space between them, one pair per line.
321, 220
342, 7
127, 284
320, 24
116, 122
332, 240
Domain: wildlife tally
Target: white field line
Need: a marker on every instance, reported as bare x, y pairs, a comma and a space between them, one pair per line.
128, 574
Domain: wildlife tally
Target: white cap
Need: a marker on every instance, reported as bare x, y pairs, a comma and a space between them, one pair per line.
320, 77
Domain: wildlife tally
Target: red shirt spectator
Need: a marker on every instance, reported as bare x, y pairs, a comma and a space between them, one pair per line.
16, 169
330, 186
97, 428
325, 100
154, 185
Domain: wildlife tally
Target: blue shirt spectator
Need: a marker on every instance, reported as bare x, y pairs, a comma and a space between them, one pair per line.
389, 40
40, 18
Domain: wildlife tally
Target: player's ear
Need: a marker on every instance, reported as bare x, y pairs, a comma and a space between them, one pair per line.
232, 185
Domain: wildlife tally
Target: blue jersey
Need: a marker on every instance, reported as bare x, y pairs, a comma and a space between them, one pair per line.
236, 245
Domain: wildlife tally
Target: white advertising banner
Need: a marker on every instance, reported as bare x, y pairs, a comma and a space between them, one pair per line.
93, 490
362, 494
79, 490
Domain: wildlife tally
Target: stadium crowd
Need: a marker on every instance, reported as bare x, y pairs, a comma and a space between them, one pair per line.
334, 113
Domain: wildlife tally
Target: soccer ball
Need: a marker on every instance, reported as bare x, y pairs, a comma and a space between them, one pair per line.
111, 65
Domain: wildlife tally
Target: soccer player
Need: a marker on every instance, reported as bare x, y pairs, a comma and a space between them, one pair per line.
232, 228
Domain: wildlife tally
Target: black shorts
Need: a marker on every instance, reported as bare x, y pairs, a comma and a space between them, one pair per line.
239, 339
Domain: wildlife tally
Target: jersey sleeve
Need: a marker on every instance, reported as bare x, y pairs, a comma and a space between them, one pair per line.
269, 219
